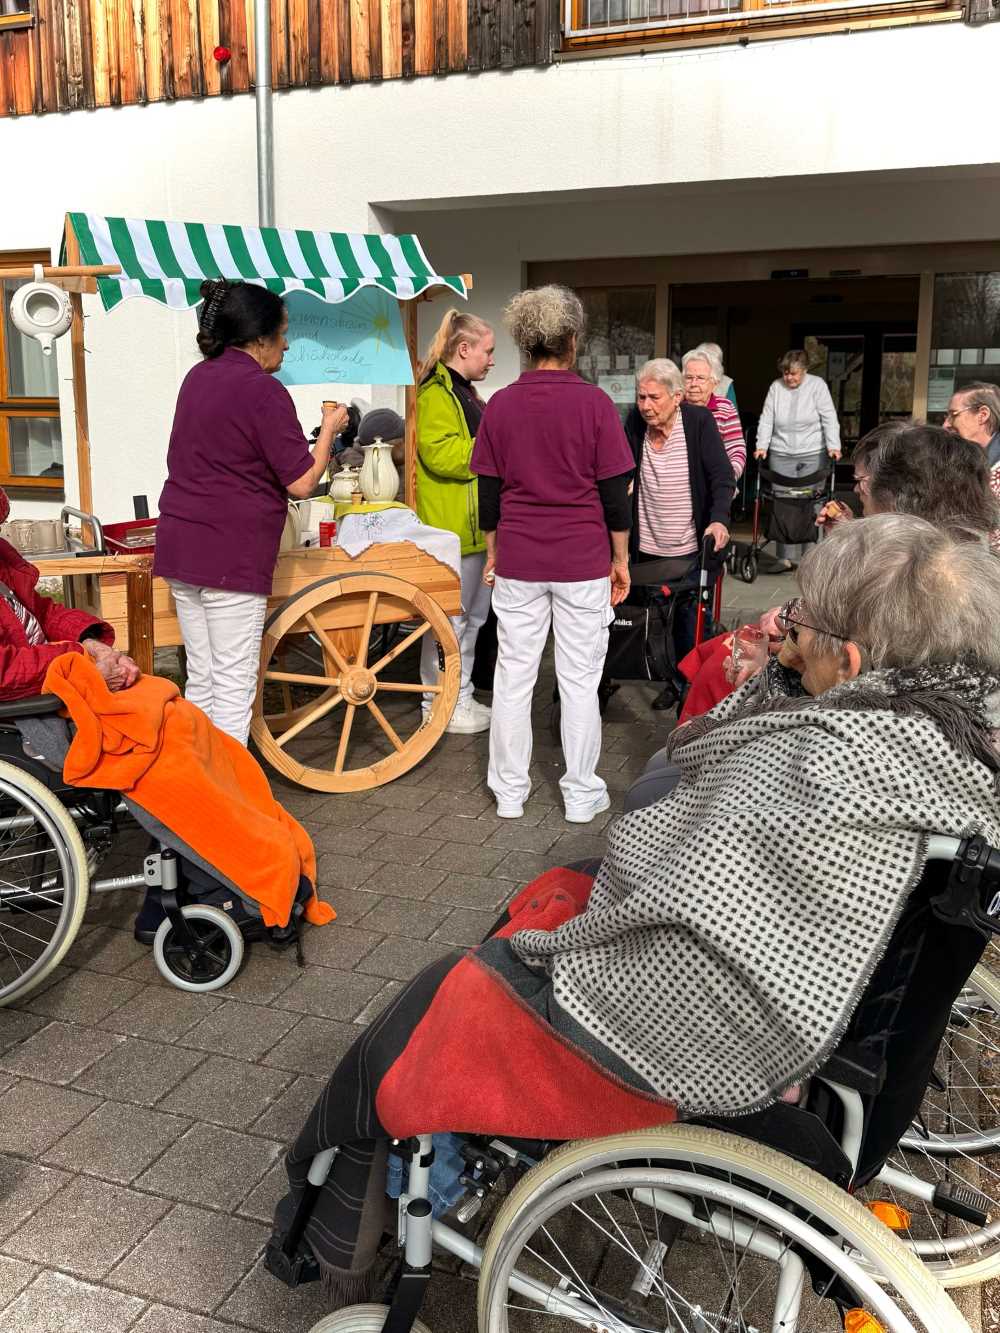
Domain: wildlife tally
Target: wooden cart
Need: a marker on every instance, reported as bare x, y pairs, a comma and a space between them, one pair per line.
331, 712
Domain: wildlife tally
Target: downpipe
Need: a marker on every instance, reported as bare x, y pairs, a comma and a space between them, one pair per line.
263, 93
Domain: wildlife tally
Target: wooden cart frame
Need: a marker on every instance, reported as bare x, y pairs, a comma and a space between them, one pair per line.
322, 596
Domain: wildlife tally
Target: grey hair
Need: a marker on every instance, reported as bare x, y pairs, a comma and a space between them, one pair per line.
662, 369
544, 321
907, 593
714, 350
703, 354
979, 395
796, 357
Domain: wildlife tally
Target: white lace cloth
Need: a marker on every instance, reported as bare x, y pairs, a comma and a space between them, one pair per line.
356, 532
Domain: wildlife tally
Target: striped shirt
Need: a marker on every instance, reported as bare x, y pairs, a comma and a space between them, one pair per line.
728, 421
666, 515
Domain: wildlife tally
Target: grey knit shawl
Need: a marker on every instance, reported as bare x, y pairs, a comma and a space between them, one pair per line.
734, 924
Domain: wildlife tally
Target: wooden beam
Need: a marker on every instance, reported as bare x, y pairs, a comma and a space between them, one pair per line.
922, 369
409, 312
51, 274
85, 491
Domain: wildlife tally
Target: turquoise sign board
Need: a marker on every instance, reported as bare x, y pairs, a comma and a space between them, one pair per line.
359, 341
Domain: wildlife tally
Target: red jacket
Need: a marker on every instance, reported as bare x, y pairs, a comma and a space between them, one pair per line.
23, 667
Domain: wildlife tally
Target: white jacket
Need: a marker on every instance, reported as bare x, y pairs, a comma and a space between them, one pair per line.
799, 421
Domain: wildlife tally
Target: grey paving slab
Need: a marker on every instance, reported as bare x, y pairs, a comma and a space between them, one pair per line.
410, 822
139, 1071
350, 905
244, 1031
465, 927
163, 1319
457, 858
83, 997
33, 1115
400, 959
514, 836
395, 797
414, 919
337, 945
287, 1113
86, 1228
264, 1304
524, 866
226, 1092
55, 1303
161, 1013
314, 1046
116, 1142
339, 870
192, 1258
334, 837
260, 1203
404, 881
16, 1025
211, 1166
480, 891
15, 1275
266, 974
59, 1053
329, 992
403, 850
24, 1187
376, 1004
570, 847
105, 949
471, 832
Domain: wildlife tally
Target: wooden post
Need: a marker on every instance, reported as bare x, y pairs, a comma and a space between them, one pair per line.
139, 603
80, 409
922, 369
409, 312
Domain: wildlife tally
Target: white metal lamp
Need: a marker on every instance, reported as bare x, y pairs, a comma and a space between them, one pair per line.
41, 310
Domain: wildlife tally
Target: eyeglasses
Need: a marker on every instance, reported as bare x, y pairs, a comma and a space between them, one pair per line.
788, 621
861, 482
697, 379
950, 416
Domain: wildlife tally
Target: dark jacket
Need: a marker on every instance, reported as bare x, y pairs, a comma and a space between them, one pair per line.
23, 666
709, 469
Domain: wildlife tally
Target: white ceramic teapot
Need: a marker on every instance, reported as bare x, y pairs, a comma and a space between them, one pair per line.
343, 485
41, 310
379, 478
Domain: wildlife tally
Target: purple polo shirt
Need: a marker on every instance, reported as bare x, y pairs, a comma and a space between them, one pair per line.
551, 437
235, 447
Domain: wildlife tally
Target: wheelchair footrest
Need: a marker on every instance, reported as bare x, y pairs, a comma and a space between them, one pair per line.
962, 1201
292, 1269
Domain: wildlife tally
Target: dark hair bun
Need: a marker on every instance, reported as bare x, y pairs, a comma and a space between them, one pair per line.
235, 314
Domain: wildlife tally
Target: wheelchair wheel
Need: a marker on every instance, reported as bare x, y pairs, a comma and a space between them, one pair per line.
214, 959
665, 1227
360, 1319
44, 882
955, 1144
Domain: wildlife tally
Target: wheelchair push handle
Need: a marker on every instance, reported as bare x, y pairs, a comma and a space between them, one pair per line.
971, 898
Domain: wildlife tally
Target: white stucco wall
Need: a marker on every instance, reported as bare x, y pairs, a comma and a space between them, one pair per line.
820, 141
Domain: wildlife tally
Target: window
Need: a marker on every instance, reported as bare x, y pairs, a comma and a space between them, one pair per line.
30, 436
965, 336
16, 14
619, 339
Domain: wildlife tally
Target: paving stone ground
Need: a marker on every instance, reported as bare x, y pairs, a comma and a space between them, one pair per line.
142, 1128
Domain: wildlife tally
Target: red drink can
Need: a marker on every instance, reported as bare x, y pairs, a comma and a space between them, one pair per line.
327, 532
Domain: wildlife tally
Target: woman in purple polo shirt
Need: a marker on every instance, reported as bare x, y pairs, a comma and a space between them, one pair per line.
236, 454
553, 466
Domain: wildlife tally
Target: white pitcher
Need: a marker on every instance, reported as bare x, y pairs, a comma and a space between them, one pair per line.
379, 478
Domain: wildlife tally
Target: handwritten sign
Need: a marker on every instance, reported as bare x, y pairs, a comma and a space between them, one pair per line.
359, 341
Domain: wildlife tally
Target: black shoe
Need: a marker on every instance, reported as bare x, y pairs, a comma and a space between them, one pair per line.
665, 699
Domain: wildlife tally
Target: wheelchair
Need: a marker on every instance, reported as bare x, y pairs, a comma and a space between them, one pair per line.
53, 838
745, 1224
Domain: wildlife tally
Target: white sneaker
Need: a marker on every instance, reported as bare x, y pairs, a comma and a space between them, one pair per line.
509, 810
583, 814
468, 718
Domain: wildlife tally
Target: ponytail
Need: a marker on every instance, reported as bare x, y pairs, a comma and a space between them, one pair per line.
456, 327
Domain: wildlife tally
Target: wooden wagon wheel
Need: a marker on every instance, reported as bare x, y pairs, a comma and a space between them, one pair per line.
350, 685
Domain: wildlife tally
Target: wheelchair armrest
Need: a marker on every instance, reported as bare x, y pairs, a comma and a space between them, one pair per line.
35, 705
854, 1067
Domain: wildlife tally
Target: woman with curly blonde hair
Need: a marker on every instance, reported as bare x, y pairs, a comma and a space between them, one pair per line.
448, 413
553, 466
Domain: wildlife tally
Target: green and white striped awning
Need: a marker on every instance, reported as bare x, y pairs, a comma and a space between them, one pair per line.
169, 260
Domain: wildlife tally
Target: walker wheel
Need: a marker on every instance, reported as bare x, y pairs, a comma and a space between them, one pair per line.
360, 1319
748, 567
207, 962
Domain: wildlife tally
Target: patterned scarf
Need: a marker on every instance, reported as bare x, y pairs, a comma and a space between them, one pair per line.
734, 924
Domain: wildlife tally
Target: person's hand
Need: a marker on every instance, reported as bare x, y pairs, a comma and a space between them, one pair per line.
130, 669
760, 453
621, 581
719, 534
117, 670
490, 571
834, 454
775, 634
833, 514
336, 415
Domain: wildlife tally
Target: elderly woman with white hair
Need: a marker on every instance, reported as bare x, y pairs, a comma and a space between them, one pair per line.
683, 487
702, 374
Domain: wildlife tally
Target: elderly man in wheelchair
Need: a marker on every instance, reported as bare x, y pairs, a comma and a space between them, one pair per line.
739, 1014
225, 864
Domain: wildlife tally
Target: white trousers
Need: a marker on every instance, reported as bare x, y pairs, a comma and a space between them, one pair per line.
580, 614
475, 609
222, 633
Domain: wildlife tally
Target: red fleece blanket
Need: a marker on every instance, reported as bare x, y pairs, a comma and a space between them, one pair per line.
163, 753
702, 667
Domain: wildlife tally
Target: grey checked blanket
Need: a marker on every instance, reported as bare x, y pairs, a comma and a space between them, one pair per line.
734, 924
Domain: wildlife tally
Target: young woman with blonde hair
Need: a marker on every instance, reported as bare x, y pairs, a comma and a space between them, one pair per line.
448, 414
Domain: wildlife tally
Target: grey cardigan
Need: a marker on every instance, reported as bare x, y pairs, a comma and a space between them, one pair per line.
799, 421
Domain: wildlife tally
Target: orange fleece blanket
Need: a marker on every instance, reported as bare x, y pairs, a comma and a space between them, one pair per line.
163, 753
